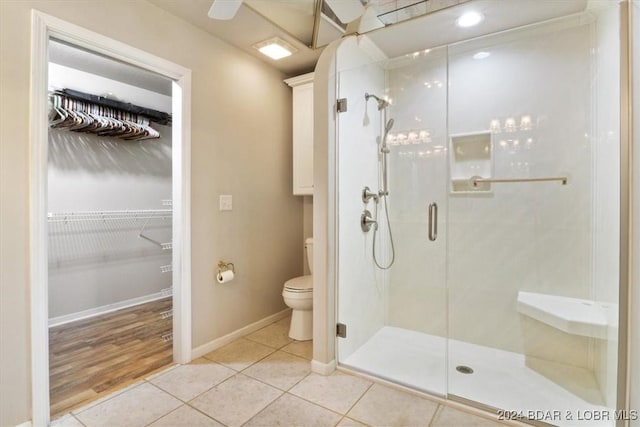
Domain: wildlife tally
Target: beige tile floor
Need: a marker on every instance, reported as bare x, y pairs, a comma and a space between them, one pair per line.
264, 379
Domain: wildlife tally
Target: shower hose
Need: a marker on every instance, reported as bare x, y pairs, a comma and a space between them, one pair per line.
375, 233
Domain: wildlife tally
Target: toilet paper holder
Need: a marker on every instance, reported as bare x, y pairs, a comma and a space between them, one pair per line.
224, 266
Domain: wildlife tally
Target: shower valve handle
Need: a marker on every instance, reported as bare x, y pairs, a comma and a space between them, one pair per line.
366, 221
367, 195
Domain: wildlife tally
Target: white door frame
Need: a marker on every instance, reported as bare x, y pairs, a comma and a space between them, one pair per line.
44, 26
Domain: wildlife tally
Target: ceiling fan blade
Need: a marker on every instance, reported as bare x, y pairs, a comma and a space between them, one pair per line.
346, 10
224, 9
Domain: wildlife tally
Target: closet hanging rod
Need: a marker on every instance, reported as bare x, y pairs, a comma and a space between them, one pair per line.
159, 117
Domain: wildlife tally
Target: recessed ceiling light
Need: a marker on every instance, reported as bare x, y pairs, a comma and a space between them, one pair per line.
275, 48
469, 19
482, 55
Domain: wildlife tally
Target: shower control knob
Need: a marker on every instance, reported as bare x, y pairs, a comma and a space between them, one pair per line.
367, 195
366, 221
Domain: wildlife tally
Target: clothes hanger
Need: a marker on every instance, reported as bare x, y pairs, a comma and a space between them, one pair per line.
84, 116
58, 114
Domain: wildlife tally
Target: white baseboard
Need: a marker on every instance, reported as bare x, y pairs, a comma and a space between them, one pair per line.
323, 368
67, 318
224, 340
25, 424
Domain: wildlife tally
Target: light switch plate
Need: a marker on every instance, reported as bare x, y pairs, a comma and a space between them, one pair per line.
226, 202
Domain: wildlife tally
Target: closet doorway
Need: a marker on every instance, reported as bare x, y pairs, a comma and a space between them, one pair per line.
110, 228
109, 220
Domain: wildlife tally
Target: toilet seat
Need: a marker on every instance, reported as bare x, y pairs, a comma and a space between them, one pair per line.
301, 284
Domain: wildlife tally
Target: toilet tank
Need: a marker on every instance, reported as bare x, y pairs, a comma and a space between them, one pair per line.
308, 245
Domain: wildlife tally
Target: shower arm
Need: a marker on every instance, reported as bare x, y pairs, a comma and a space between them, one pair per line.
381, 102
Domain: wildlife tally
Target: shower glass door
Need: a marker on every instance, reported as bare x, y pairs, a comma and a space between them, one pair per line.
395, 317
532, 275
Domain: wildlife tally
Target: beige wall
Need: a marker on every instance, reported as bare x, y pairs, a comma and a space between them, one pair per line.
241, 145
307, 225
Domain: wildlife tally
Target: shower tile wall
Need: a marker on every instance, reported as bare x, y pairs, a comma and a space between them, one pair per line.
534, 237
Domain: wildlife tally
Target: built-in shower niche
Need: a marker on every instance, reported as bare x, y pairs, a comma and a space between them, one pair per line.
471, 160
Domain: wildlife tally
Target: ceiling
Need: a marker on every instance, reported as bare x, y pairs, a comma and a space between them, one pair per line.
247, 28
440, 29
396, 26
62, 53
293, 21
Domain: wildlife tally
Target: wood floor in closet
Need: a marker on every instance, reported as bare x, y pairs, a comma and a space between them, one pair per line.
96, 356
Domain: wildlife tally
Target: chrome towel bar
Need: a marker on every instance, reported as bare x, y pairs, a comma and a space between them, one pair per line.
563, 180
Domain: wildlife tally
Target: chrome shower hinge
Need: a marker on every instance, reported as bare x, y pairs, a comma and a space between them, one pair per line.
341, 330
342, 105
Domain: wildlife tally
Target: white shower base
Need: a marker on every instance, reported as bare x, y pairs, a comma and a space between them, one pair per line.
501, 379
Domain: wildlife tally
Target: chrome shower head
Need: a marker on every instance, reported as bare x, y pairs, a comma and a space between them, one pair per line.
381, 102
387, 127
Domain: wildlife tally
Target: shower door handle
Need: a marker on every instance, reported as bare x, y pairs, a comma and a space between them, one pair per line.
433, 221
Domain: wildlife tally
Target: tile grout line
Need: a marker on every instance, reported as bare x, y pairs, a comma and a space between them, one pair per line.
252, 363
436, 414
204, 413
357, 401
199, 394
324, 407
315, 404
162, 416
105, 399
78, 420
264, 409
187, 403
271, 385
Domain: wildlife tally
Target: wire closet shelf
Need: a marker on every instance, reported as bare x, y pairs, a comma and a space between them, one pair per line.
79, 236
132, 215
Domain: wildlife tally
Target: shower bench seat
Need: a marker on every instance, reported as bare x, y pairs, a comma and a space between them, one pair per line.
572, 315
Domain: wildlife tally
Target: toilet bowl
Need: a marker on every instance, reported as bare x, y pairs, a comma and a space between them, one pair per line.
298, 294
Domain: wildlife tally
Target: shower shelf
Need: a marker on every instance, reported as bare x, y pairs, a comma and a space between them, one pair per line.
572, 315
472, 158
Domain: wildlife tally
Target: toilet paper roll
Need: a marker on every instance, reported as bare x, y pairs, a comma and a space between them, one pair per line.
225, 276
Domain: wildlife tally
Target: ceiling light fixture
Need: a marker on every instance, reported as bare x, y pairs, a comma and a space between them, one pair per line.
482, 55
275, 48
224, 9
469, 19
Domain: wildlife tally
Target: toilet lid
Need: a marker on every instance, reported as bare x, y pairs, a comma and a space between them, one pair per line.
302, 283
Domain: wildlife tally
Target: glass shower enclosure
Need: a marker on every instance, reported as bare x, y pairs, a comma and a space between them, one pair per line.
503, 206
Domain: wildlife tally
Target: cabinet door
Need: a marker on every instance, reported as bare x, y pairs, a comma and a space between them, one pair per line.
303, 139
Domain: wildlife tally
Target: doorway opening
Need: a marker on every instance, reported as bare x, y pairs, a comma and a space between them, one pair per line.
101, 249
109, 216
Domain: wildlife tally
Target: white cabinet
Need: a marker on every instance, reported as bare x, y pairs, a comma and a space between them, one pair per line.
302, 134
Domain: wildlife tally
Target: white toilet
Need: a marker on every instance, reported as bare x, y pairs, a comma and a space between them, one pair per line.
298, 294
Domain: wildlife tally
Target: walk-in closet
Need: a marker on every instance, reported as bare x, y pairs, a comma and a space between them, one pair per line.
109, 225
